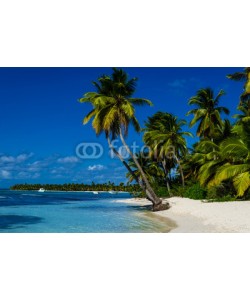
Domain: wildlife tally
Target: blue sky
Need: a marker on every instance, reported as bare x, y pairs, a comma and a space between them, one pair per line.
41, 119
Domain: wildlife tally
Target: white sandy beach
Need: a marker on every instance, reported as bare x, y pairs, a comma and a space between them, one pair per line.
196, 216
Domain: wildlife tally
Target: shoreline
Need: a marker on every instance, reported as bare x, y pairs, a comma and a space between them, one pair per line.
195, 216
61, 191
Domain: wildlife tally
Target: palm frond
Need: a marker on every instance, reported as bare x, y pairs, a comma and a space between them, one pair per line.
140, 101
229, 171
241, 183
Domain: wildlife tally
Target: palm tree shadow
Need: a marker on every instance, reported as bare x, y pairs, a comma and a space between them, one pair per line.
17, 221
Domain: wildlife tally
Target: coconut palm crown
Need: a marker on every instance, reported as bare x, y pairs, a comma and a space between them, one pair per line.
113, 105
207, 112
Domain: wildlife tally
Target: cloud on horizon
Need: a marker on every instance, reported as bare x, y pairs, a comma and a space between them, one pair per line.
25, 167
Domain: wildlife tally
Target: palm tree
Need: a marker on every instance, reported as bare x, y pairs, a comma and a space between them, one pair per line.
245, 77
236, 167
113, 111
150, 168
207, 113
232, 163
164, 135
245, 115
207, 159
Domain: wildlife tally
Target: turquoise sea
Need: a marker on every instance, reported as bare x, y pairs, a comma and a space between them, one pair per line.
73, 212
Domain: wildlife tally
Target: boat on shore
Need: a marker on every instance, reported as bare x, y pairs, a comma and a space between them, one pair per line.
95, 193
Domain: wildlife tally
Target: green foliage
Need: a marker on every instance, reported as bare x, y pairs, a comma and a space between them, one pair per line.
113, 106
226, 198
162, 191
179, 190
215, 192
165, 136
221, 191
195, 192
207, 112
150, 167
110, 186
245, 77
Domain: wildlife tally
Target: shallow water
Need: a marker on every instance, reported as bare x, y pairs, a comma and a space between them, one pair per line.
62, 212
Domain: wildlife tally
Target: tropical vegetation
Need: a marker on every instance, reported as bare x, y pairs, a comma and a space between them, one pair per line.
216, 166
106, 187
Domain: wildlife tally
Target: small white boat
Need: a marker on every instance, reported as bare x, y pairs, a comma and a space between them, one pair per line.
96, 193
41, 190
113, 192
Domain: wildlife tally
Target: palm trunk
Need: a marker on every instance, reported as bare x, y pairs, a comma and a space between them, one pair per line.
124, 162
129, 169
166, 175
157, 203
181, 170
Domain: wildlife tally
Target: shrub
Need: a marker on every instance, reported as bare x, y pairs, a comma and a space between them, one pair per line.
161, 191
216, 192
179, 190
247, 195
221, 193
195, 192
226, 198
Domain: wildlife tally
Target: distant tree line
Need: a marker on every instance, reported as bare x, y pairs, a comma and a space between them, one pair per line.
109, 186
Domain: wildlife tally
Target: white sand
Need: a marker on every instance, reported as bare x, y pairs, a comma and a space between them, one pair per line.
196, 216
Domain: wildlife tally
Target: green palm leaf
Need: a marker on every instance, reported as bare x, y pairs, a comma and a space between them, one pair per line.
229, 171
241, 183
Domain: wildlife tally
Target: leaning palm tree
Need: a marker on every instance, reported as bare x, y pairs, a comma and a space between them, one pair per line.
164, 135
113, 111
245, 77
207, 112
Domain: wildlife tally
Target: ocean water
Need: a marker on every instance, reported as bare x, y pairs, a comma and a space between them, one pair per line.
73, 212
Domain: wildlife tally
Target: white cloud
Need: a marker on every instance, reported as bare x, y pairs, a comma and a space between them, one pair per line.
5, 174
26, 175
38, 165
60, 172
23, 157
7, 159
15, 159
178, 83
118, 169
96, 168
68, 159
186, 83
